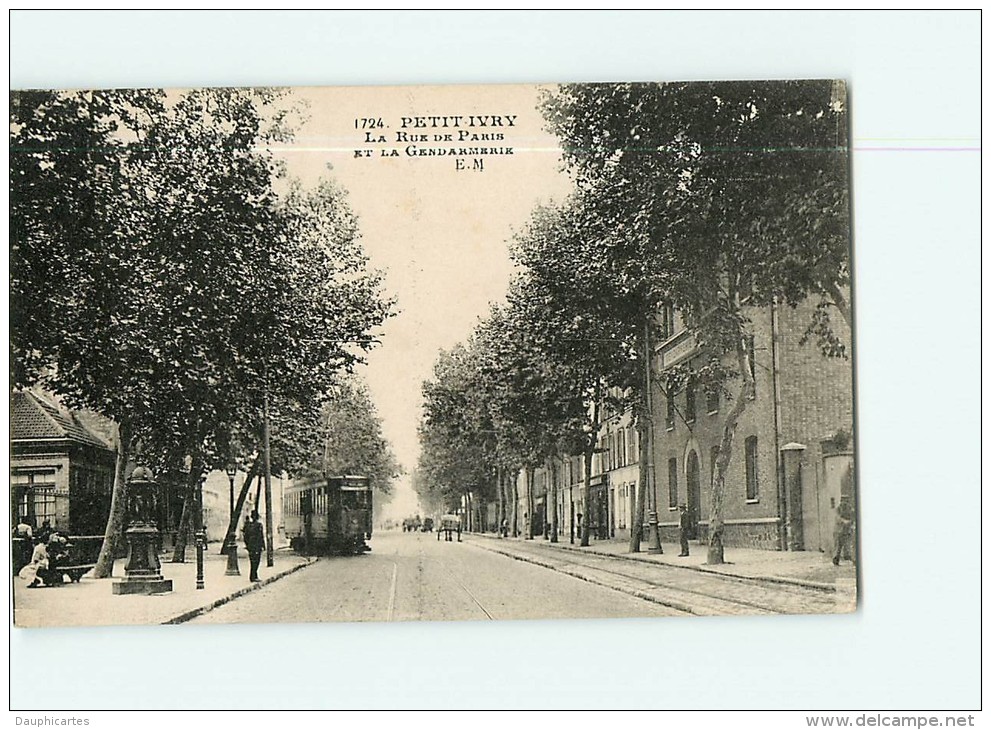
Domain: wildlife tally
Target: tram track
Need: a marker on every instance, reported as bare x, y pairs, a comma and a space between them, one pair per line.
687, 592
474, 599
421, 590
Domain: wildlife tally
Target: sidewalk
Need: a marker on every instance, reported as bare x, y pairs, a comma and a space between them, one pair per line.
91, 602
808, 569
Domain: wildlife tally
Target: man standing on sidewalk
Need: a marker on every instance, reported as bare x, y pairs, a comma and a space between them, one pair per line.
254, 541
842, 531
684, 526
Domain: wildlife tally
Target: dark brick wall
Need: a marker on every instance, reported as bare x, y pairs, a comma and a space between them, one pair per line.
761, 535
706, 432
816, 401
816, 391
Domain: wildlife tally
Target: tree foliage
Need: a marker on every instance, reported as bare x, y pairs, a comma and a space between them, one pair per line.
714, 198
160, 279
351, 439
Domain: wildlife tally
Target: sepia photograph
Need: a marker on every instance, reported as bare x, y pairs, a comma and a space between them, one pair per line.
499, 360
431, 353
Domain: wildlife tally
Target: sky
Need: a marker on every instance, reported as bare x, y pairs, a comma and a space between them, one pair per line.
439, 234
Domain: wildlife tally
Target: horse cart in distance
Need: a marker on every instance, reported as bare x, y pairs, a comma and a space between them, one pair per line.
449, 524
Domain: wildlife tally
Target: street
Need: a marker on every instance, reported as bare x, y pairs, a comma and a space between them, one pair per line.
413, 576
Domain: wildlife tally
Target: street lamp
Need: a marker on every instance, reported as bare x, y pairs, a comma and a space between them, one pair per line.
200, 537
650, 483
231, 547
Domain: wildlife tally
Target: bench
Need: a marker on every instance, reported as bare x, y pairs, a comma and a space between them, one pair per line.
75, 572
83, 551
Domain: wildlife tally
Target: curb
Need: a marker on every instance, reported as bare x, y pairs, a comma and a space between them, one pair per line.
193, 613
643, 595
798, 582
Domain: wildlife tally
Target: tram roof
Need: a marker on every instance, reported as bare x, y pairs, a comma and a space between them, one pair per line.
349, 482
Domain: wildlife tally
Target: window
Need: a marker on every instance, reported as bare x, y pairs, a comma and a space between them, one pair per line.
672, 482
712, 464
753, 485
752, 362
667, 321
634, 445
690, 401
35, 496
623, 461
712, 401
669, 419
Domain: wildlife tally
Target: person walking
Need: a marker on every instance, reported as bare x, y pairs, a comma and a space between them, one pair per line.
254, 541
684, 527
843, 530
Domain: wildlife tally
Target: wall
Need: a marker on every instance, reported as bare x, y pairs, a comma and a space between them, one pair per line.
816, 395
748, 523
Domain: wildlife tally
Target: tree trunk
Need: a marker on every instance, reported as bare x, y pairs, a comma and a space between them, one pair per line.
516, 504
118, 506
267, 451
587, 493
529, 503
189, 503
242, 497
498, 496
841, 303
553, 499
715, 553
593, 438
503, 501
179, 549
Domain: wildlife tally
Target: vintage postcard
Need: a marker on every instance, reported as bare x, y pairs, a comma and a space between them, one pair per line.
431, 353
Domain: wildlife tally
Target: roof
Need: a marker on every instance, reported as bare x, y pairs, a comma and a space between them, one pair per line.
33, 417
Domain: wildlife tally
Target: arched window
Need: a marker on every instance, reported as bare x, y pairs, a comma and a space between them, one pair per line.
753, 483
690, 401
672, 482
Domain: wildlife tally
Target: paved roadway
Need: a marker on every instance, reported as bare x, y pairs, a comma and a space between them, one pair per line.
413, 576
686, 590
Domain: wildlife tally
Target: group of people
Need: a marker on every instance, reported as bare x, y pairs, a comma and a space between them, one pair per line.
50, 549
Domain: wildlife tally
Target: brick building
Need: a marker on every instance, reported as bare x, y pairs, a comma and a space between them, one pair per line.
615, 473
792, 450
61, 469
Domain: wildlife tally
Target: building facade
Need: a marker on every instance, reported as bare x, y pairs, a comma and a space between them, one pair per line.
792, 449
792, 455
61, 470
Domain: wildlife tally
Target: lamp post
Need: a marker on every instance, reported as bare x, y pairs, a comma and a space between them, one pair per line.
650, 483
231, 547
200, 538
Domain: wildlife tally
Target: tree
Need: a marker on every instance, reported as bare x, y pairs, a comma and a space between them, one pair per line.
737, 193
599, 288
351, 439
191, 292
455, 458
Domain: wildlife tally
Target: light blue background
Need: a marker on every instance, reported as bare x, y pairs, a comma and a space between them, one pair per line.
915, 642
